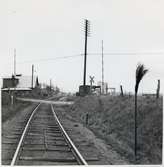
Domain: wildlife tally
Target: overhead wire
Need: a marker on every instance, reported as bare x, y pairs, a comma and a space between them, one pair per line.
50, 59
80, 55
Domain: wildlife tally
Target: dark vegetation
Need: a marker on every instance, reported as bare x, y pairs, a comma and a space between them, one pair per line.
112, 119
8, 110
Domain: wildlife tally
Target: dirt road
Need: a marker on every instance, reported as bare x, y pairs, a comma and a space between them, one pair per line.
46, 101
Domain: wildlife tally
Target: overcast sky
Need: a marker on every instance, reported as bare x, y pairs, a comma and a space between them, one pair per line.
48, 29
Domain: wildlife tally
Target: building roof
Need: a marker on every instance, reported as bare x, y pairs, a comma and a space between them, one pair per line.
16, 89
25, 82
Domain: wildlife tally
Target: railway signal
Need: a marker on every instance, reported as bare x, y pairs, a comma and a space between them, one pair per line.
91, 82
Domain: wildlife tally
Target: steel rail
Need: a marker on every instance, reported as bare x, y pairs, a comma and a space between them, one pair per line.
78, 155
22, 137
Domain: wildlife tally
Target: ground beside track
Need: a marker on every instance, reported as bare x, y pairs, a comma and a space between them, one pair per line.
111, 118
91, 147
88, 144
11, 129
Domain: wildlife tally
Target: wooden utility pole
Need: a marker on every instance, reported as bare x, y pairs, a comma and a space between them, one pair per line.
85, 51
14, 77
102, 69
50, 84
14, 62
32, 76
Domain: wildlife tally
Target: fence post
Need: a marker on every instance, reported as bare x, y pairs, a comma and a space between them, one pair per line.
158, 89
12, 99
122, 94
87, 119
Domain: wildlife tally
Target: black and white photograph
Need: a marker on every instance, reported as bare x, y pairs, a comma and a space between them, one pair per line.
81, 82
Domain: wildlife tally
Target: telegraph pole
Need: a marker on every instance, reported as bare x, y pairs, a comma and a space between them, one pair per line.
50, 84
85, 51
13, 94
102, 68
14, 62
32, 76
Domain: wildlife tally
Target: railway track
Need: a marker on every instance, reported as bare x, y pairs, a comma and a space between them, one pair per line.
45, 142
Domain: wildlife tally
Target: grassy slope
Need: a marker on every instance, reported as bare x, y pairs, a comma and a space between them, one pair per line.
8, 111
112, 118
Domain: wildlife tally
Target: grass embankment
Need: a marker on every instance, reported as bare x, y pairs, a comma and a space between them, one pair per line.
8, 110
112, 119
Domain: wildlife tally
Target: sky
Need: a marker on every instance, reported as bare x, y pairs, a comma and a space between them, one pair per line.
45, 31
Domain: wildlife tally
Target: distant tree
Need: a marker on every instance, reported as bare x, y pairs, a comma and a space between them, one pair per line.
140, 72
48, 88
